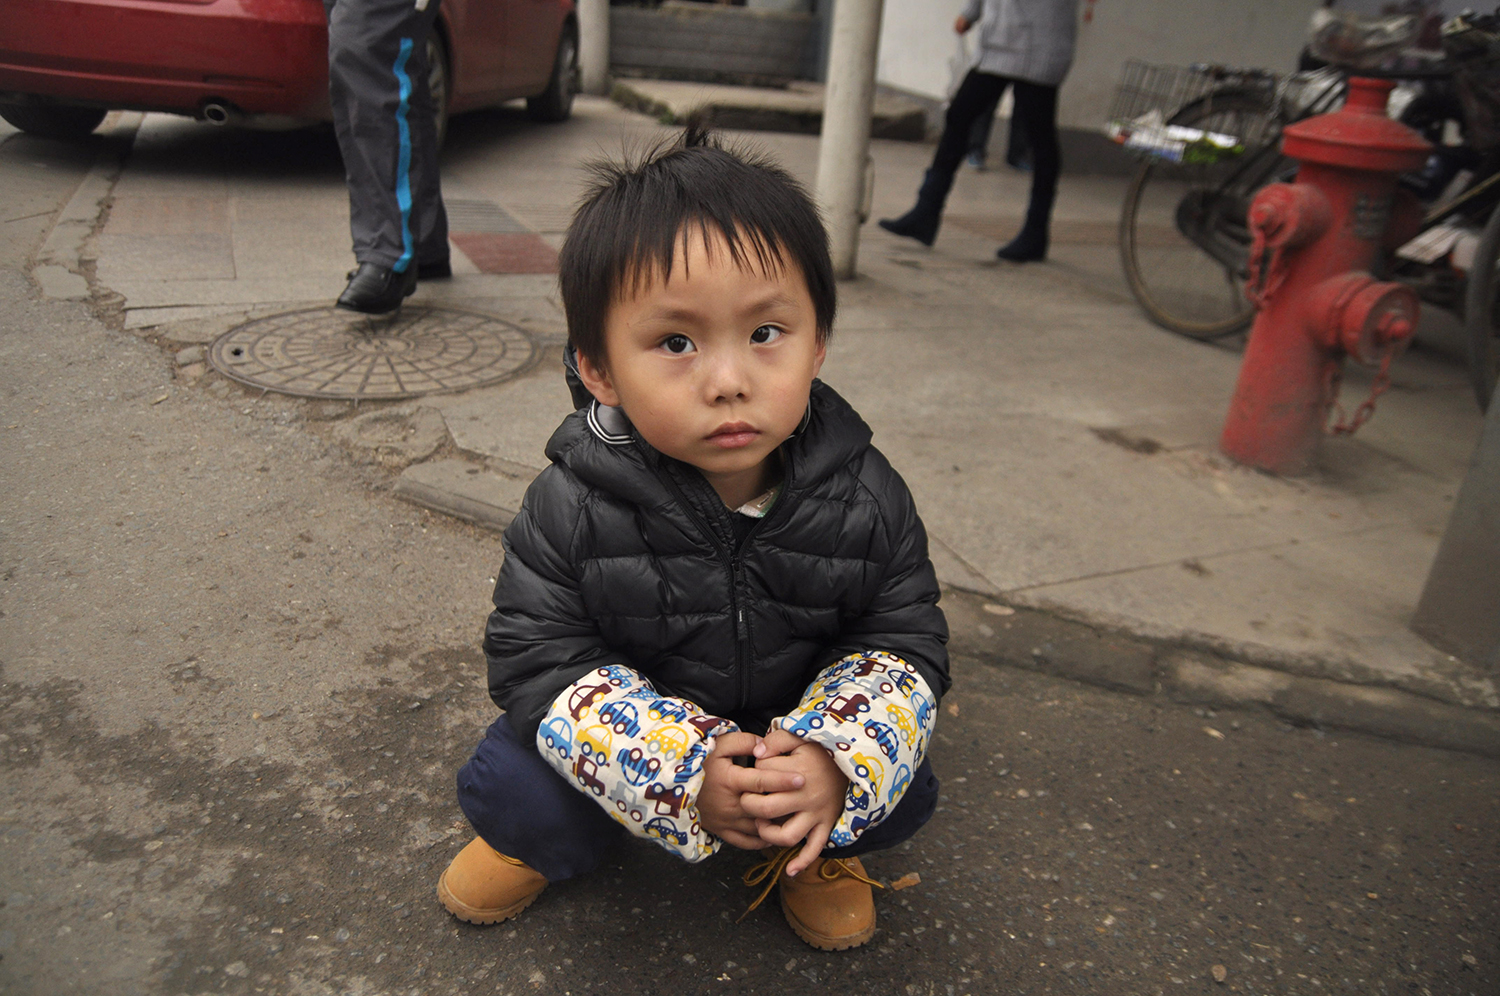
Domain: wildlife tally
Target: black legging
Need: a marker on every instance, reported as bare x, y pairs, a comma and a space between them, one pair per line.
1035, 113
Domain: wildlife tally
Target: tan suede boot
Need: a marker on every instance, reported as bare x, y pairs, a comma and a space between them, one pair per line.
481, 885
830, 904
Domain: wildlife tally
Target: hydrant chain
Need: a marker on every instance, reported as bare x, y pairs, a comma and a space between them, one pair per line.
1283, 217
1264, 275
1366, 408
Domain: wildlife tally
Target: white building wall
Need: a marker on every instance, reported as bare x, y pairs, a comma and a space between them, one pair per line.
917, 43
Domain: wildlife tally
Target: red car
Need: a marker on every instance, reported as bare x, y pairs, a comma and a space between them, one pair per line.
64, 63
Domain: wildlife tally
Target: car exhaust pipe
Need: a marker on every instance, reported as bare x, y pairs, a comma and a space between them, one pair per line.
217, 114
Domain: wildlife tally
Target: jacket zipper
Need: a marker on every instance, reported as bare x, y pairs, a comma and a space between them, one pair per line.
732, 560
737, 568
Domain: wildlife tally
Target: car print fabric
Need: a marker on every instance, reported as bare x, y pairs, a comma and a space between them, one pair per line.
873, 713
640, 755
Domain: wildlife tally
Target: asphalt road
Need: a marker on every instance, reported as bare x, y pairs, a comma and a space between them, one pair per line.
236, 677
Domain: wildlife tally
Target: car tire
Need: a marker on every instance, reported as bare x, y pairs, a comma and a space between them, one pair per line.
53, 120
437, 84
555, 103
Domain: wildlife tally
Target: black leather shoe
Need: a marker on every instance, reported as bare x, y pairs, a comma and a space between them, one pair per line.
441, 270
377, 290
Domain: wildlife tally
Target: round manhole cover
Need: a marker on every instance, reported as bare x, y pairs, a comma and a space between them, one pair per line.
327, 353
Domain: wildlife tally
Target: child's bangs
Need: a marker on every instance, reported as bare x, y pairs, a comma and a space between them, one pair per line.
654, 253
638, 211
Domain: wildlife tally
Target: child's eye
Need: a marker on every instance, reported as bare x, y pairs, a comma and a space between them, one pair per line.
765, 334
677, 344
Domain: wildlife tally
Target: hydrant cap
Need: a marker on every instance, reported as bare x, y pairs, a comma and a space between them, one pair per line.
1359, 135
1380, 316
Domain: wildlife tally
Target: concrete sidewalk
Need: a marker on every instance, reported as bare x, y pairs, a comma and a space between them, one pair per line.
1060, 447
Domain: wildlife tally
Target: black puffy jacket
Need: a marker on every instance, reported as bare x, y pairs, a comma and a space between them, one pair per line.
621, 555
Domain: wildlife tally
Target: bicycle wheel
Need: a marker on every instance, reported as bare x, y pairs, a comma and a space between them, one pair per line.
1482, 313
1184, 241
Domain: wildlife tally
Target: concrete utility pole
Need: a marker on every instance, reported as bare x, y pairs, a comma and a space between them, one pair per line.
849, 99
593, 45
1460, 607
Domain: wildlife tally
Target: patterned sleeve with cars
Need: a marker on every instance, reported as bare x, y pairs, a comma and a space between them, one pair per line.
638, 753
874, 713
641, 754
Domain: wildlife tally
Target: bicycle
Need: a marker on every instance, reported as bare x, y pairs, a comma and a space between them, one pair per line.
1209, 140
1184, 241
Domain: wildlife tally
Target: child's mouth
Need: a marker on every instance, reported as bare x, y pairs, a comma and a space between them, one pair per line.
733, 435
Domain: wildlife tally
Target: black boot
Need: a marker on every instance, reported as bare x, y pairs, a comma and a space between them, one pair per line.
377, 290
1030, 245
1027, 247
921, 222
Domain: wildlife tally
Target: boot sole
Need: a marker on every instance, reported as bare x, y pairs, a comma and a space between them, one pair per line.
469, 914
824, 942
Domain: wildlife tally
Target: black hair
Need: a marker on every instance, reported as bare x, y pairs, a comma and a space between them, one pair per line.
626, 231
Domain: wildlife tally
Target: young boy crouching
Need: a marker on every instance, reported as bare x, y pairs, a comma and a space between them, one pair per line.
716, 620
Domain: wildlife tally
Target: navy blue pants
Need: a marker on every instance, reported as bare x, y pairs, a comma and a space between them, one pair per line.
524, 809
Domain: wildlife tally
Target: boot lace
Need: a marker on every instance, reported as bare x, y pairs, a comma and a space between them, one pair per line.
769, 872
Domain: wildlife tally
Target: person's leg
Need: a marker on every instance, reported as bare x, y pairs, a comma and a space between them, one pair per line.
1036, 114
525, 810
429, 219
979, 133
1017, 152
376, 67
977, 91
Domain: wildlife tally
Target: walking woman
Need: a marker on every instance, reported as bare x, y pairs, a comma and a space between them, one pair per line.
1026, 45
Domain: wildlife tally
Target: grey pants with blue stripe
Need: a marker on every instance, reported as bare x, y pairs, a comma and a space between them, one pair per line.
383, 115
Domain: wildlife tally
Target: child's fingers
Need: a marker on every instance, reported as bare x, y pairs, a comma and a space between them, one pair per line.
782, 762
763, 781
817, 838
735, 745
744, 841
745, 825
778, 741
771, 807
776, 835
789, 833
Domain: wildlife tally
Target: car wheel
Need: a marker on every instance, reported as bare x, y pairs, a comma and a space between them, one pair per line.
556, 102
437, 83
53, 120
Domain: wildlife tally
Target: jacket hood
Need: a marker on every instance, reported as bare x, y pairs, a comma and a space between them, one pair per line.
602, 449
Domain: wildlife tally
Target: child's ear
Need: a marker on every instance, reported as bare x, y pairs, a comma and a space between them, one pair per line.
819, 357
596, 379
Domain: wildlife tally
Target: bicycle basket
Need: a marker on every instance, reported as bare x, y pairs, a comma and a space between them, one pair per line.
1149, 96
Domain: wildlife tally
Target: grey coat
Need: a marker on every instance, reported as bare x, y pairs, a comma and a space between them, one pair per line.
1029, 40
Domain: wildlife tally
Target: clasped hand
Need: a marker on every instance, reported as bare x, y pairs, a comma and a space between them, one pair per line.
794, 793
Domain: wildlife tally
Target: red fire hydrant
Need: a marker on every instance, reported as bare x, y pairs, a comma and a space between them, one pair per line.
1313, 241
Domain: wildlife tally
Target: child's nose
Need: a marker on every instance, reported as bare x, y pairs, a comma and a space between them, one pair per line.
727, 379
